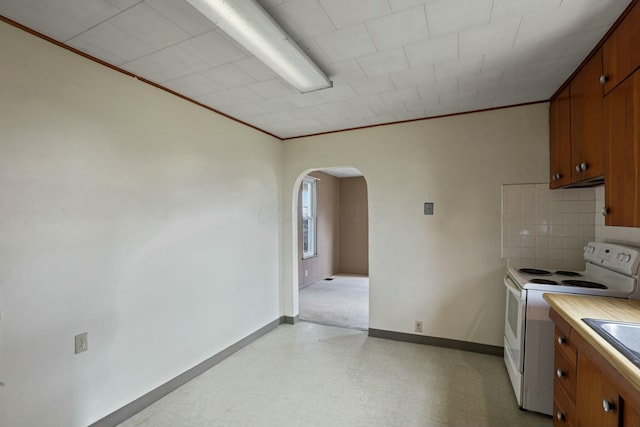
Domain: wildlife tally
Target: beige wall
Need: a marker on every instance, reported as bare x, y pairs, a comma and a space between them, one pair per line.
354, 226
130, 214
445, 270
328, 246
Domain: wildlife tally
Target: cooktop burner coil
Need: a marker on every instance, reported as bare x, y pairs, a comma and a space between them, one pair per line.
535, 271
584, 284
544, 281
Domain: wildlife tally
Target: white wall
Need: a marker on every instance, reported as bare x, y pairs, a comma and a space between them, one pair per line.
128, 213
446, 269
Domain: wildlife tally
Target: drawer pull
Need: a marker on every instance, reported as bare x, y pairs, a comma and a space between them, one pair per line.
560, 416
608, 406
560, 373
562, 340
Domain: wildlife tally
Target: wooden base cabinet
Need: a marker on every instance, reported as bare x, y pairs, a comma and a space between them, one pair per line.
588, 391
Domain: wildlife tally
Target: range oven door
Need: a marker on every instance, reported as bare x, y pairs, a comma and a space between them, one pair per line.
514, 334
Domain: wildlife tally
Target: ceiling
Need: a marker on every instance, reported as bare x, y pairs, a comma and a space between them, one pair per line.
390, 60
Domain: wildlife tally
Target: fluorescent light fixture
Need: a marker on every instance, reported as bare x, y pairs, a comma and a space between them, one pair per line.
250, 25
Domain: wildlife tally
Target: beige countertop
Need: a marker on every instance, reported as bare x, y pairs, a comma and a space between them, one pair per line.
573, 308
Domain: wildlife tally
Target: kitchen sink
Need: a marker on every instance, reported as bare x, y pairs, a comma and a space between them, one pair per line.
624, 336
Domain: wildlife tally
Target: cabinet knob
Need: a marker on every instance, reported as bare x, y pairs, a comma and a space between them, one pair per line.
603, 79
607, 406
605, 211
560, 416
557, 176
560, 373
562, 340
578, 168
583, 166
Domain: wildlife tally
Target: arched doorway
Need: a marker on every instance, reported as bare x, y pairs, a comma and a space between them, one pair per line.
332, 225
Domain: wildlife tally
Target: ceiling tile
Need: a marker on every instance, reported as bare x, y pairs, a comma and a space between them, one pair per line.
373, 86
213, 49
346, 44
441, 88
413, 77
490, 81
345, 71
149, 26
166, 64
271, 88
581, 42
228, 75
520, 55
495, 37
398, 5
183, 15
193, 85
347, 13
338, 92
384, 62
302, 19
395, 30
448, 16
123, 4
366, 102
305, 113
427, 52
235, 96
305, 99
398, 97
59, 19
109, 43
504, 9
421, 104
334, 107
255, 68
469, 66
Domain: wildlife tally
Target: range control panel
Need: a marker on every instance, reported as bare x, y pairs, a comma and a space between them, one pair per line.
623, 259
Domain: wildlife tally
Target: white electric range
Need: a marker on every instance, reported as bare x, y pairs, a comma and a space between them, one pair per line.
611, 271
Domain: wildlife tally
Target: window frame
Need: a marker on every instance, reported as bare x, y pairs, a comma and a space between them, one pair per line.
310, 215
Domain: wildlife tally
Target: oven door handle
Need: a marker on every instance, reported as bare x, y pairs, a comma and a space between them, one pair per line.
511, 286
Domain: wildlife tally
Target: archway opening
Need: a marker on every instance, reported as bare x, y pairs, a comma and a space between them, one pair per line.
332, 224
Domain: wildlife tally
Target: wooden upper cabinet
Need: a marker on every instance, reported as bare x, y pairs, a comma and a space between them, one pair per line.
587, 132
622, 121
621, 51
560, 139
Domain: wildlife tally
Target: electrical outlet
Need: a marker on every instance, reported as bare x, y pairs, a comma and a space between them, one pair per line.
418, 326
82, 342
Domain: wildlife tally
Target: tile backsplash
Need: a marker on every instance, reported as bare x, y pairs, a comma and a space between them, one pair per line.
546, 228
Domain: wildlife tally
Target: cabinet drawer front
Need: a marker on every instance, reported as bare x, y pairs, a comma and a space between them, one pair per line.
565, 375
564, 346
564, 411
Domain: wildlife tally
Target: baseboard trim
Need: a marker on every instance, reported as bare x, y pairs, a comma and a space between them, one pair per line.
129, 410
290, 320
438, 342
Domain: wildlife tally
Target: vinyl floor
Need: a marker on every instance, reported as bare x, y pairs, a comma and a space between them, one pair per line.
315, 375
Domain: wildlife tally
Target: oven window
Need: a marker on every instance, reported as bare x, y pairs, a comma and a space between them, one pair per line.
512, 318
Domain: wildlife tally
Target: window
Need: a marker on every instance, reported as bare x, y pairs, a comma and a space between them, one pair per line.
308, 217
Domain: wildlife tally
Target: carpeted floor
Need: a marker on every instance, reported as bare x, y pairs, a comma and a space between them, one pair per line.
343, 302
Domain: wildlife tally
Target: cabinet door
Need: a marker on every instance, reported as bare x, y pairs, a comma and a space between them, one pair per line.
587, 131
560, 139
622, 183
621, 52
597, 401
